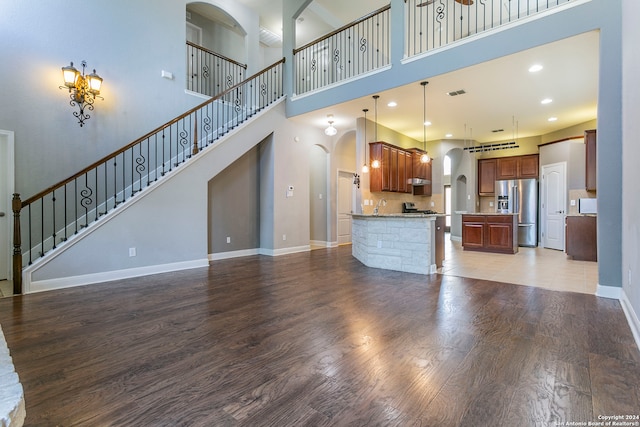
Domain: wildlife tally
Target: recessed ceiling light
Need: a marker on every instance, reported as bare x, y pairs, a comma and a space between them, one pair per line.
552, 119
535, 68
427, 123
546, 101
449, 135
392, 104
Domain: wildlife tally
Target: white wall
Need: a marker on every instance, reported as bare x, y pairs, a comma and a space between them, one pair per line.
631, 151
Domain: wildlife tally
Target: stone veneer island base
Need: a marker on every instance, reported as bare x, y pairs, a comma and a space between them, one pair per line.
401, 242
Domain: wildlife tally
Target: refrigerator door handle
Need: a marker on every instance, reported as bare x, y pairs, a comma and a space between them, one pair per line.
516, 201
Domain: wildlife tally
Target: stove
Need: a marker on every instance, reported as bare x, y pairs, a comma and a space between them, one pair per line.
410, 207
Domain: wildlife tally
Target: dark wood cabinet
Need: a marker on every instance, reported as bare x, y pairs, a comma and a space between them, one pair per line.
424, 171
528, 166
581, 237
507, 168
490, 233
394, 170
514, 167
590, 155
487, 169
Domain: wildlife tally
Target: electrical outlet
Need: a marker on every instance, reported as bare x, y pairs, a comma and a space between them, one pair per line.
490, 204
284, 237
132, 251
573, 202
228, 239
320, 196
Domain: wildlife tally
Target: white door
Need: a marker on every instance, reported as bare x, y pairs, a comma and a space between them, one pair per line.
345, 206
6, 189
193, 35
554, 205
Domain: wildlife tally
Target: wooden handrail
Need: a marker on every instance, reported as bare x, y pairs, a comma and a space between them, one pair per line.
148, 135
217, 54
344, 27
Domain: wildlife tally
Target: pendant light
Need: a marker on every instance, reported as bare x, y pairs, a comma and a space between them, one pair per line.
375, 163
424, 158
365, 166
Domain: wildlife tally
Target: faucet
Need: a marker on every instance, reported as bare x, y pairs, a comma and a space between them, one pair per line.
381, 201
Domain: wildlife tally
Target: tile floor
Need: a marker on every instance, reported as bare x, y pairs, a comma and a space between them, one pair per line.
544, 268
540, 267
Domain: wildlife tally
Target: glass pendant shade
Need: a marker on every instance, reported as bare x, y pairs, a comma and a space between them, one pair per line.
365, 168
95, 83
425, 158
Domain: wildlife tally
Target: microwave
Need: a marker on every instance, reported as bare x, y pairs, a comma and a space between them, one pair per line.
588, 206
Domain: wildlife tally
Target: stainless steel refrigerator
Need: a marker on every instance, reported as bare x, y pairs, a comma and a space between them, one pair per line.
520, 196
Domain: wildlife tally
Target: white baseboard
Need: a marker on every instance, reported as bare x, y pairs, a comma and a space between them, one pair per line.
612, 292
108, 276
455, 238
233, 254
323, 243
285, 251
632, 317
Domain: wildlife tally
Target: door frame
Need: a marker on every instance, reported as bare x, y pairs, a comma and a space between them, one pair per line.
543, 206
7, 138
353, 200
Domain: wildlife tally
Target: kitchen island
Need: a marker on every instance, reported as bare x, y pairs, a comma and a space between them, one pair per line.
401, 242
490, 232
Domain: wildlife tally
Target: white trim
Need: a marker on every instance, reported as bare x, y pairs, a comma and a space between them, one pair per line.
10, 183
612, 292
322, 243
285, 251
233, 254
632, 317
295, 97
107, 276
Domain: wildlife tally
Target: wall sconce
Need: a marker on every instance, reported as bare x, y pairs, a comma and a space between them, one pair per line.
330, 131
82, 90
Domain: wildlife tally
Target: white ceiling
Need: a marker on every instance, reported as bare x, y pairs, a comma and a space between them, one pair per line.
500, 94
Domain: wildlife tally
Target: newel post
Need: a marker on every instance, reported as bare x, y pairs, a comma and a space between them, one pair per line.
196, 150
16, 206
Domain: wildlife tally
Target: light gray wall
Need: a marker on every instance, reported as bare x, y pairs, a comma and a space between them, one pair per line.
234, 205
126, 47
318, 180
572, 152
602, 15
229, 42
631, 148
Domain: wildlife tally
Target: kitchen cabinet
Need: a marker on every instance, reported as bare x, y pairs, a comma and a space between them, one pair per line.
394, 170
517, 167
581, 237
424, 171
590, 155
487, 169
490, 233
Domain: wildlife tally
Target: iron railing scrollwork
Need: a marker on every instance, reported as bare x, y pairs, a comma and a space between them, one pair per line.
52, 216
431, 24
347, 52
210, 73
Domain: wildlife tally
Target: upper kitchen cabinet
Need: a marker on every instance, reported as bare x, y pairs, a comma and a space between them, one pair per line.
487, 169
516, 167
590, 151
422, 171
394, 171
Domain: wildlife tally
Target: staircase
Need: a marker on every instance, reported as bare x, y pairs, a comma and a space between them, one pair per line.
112, 199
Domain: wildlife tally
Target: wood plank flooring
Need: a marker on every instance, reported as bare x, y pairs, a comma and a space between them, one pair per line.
317, 339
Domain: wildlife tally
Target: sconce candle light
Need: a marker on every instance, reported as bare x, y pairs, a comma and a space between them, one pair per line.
83, 90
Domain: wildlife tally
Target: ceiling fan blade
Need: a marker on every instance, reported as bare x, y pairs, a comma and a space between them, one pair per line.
425, 3
465, 2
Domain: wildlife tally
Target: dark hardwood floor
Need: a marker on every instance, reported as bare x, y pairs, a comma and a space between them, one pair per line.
317, 339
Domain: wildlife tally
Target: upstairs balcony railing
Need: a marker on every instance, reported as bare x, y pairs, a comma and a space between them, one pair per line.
51, 217
431, 24
210, 73
347, 52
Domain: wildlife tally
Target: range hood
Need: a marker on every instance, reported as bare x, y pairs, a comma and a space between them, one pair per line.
418, 181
